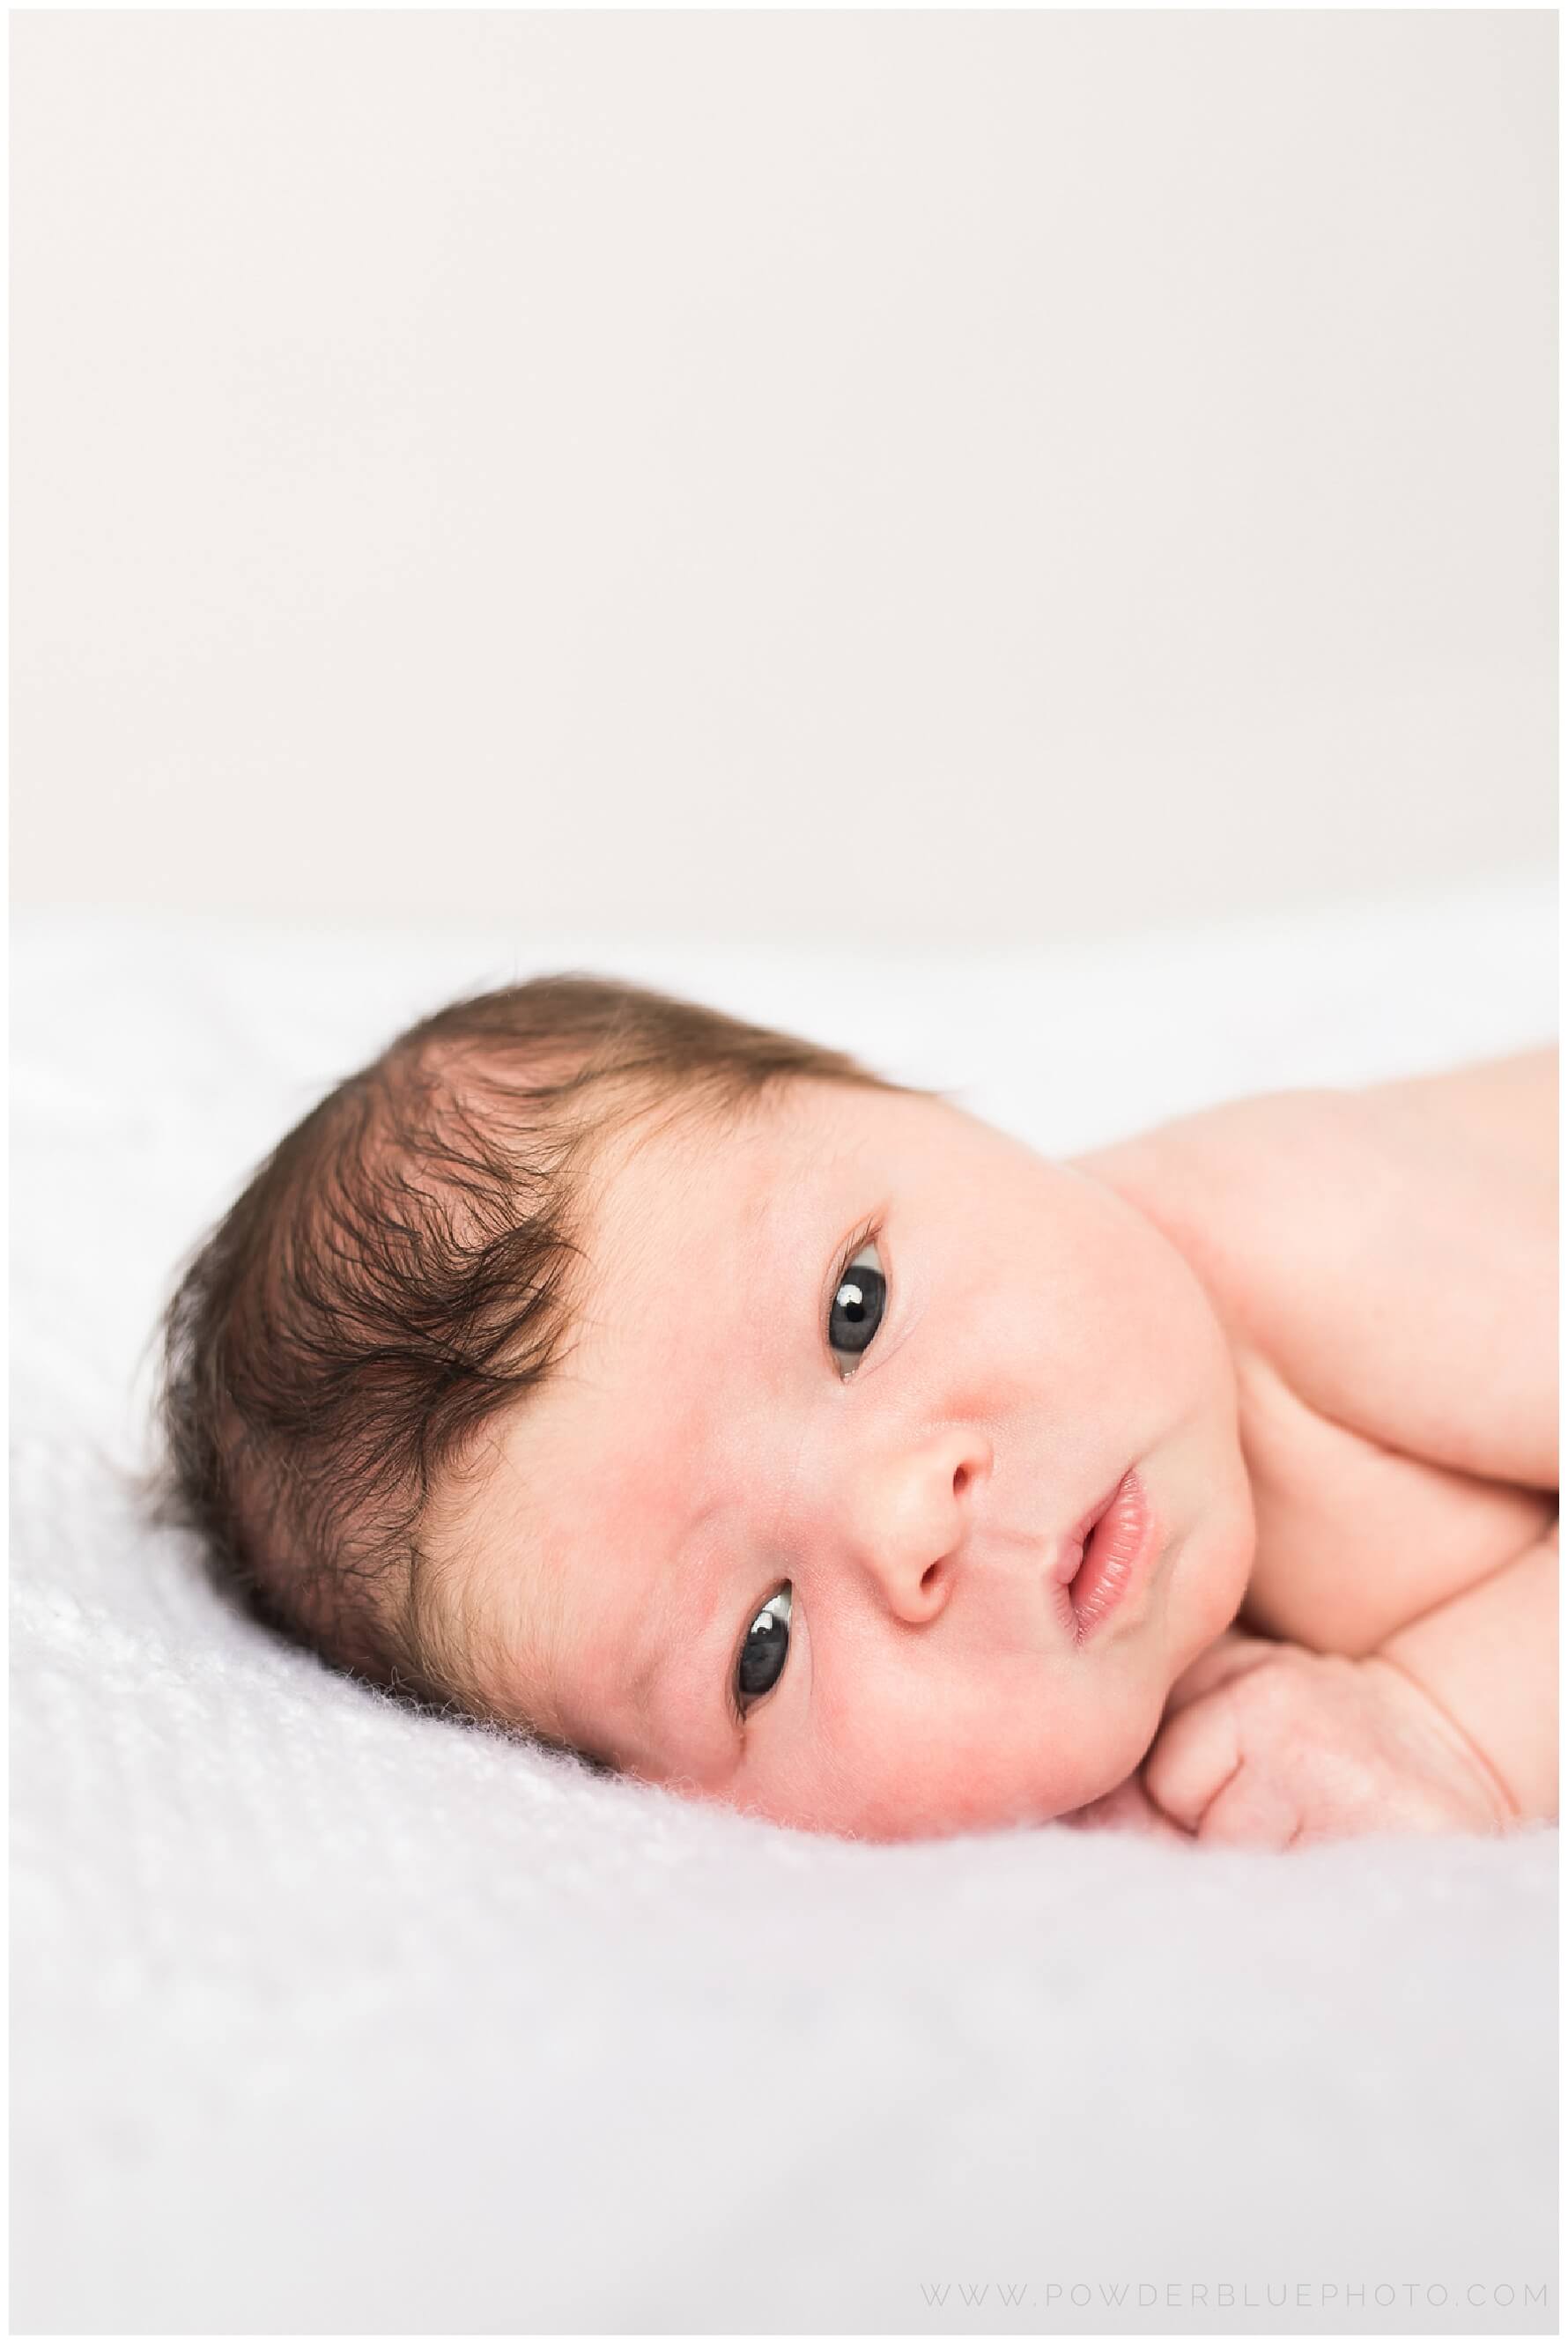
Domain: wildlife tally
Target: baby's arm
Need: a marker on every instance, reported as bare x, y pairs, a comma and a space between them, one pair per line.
1452, 1726
1488, 1659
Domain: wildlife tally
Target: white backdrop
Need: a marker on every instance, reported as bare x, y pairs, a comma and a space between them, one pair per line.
855, 478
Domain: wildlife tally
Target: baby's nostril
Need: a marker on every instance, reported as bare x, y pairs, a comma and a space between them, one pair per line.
960, 1480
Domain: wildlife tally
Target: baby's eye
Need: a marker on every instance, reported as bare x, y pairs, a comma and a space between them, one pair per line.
765, 1650
858, 1304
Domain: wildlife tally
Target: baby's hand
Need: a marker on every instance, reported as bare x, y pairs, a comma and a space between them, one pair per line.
1272, 1745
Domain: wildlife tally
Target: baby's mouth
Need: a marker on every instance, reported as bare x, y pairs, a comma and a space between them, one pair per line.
1076, 1543
1105, 1552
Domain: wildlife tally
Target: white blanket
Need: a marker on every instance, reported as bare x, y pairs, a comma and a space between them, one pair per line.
331, 2019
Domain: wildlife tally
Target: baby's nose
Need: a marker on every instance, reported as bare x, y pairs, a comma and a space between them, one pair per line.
909, 1517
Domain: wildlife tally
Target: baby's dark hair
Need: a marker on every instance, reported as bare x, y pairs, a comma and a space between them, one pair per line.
397, 1274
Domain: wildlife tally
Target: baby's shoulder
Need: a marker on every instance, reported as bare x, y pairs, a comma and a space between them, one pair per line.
1390, 1252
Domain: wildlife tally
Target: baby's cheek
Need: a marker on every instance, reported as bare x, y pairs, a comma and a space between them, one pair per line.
1105, 1725
1103, 1764
968, 1766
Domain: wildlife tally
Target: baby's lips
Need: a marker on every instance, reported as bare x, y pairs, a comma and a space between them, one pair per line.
1120, 1553
1070, 1546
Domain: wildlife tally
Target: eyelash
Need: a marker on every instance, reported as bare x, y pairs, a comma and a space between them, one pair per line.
867, 1235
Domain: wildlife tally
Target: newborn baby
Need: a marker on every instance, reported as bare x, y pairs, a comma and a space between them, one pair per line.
688, 1396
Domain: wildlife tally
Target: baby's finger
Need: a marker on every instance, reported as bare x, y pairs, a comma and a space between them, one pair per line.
1194, 1757
1251, 1812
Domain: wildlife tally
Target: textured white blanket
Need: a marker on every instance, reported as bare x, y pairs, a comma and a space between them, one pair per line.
329, 2018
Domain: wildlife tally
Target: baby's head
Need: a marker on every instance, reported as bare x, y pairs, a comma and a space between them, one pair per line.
688, 1396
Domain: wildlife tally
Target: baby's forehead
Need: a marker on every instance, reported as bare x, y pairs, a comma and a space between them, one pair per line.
665, 1205
697, 1184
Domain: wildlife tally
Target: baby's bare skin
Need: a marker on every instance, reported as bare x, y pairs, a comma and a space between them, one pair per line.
1395, 1661
1307, 1337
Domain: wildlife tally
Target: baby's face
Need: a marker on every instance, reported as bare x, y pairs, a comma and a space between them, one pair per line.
795, 1521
